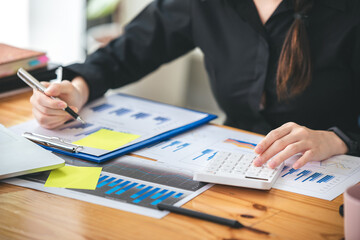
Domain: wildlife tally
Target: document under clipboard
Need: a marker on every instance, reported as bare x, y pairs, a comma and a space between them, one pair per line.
152, 121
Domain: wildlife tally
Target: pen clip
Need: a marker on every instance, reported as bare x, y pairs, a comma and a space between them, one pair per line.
52, 142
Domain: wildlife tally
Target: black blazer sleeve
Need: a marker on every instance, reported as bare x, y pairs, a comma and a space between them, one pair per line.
159, 34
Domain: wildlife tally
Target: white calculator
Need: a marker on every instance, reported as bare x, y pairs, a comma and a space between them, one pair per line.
237, 169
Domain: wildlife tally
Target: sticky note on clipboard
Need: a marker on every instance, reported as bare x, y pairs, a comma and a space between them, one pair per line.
106, 139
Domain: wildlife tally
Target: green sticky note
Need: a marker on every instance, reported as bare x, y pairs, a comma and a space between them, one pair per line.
106, 139
74, 177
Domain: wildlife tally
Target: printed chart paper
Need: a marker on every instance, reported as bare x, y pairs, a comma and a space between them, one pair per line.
118, 113
127, 183
192, 151
327, 179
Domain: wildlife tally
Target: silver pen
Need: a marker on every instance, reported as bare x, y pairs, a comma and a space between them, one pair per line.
35, 84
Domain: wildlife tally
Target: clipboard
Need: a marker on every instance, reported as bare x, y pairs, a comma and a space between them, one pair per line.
63, 146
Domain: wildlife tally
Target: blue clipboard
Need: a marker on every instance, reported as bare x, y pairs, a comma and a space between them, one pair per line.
136, 146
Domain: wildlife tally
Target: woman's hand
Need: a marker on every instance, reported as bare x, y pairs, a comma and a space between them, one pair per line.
291, 138
49, 112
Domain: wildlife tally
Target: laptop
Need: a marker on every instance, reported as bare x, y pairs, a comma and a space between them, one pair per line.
19, 156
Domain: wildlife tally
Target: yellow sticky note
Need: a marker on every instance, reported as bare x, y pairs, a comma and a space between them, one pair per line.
106, 139
74, 177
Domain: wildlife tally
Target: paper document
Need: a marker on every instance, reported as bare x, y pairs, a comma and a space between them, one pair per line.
127, 183
327, 179
192, 151
122, 119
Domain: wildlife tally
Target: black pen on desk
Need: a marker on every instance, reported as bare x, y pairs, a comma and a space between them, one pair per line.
35, 84
207, 217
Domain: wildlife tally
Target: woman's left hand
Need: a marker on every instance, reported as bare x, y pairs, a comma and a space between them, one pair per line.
291, 138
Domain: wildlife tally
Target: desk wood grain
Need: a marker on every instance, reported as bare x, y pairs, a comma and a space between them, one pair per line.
32, 214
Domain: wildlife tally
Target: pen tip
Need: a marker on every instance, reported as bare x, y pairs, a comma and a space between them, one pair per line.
80, 120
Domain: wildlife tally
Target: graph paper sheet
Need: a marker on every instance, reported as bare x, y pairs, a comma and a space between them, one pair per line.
327, 179
127, 183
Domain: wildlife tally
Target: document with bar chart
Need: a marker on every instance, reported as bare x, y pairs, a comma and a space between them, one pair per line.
127, 183
327, 179
193, 150
126, 122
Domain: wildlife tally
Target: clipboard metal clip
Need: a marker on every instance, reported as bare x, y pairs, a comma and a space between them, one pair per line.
54, 142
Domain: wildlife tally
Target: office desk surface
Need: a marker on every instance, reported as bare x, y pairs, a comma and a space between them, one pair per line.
32, 214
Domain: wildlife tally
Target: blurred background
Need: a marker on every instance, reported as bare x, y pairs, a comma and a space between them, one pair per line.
68, 30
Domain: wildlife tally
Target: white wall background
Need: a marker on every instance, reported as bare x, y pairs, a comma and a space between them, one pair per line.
58, 28
54, 26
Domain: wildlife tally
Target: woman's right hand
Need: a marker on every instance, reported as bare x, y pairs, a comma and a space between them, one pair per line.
49, 112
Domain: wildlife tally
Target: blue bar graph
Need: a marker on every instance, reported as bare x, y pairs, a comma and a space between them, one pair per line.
78, 126
178, 195
114, 183
126, 188
212, 156
146, 195
120, 186
161, 120
120, 111
102, 178
117, 187
327, 178
181, 147
162, 198
140, 186
158, 194
171, 144
206, 151
140, 115
141, 192
291, 171
302, 174
101, 107
105, 182
313, 177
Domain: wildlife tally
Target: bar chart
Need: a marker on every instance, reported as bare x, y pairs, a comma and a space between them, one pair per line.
325, 179
155, 174
102, 107
131, 182
306, 175
135, 191
120, 111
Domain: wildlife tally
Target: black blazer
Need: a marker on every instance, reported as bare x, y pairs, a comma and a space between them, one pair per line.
241, 58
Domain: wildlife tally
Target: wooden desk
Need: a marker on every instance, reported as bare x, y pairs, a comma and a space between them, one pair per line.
31, 214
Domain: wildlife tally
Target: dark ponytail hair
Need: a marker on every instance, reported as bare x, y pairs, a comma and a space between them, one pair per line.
294, 68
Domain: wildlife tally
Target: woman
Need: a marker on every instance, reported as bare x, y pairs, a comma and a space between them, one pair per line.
281, 68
